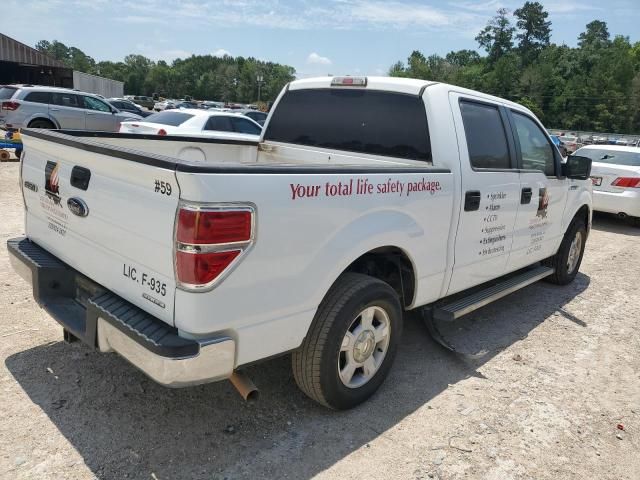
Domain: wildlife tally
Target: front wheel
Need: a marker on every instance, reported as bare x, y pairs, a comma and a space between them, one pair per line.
351, 343
567, 260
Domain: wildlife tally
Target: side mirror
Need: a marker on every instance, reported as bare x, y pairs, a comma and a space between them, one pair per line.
577, 167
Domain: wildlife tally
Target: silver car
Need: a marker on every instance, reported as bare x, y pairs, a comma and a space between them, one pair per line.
23, 106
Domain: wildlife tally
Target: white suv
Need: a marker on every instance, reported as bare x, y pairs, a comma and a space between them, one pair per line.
23, 106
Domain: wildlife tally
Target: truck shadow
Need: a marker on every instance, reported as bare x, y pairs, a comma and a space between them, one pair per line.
607, 222
126, 426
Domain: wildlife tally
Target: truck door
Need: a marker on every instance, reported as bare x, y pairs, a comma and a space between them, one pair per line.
539, 230
490, 190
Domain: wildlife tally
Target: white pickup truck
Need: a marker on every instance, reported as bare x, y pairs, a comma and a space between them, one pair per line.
364, 197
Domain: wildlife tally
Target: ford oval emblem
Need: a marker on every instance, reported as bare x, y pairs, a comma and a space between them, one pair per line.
78, 207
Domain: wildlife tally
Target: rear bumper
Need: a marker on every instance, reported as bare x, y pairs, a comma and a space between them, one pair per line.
105, 321
627, 202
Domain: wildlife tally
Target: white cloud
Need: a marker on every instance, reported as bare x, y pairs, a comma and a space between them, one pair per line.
316, 59
221, 52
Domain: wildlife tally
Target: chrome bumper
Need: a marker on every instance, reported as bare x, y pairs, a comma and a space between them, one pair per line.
103, 320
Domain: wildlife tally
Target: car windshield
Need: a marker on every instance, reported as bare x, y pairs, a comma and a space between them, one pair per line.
171, 118
568, 139
631, 159
7, 92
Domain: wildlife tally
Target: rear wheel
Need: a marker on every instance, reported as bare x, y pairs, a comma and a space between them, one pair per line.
40, 123
351, 343
567, 260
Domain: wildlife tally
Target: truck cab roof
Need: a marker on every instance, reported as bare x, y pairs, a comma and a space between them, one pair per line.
410, 86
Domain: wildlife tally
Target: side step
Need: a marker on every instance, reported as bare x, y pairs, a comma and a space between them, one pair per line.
458, 308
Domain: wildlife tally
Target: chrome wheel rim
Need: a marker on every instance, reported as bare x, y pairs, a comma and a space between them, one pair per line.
364, 347
574, 252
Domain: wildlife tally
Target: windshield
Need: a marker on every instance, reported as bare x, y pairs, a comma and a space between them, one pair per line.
7, 92
613, 157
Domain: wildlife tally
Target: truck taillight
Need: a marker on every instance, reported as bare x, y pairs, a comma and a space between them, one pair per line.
210, 241
11, 106
627, 182
202, 268
213, 227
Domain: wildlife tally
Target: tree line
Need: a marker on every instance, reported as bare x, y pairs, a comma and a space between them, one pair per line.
207, 77
593, 87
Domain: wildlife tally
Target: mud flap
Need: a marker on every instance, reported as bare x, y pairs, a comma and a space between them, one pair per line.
430, 323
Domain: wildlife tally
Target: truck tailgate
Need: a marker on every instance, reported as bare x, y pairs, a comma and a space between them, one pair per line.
109, 218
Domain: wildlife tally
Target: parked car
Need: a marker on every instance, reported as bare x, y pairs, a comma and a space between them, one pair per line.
571, 143
256, 115
313, 242
25, 106
209, 104
615, 175
160, 106
128, 106
196, 123
560, 144
185, 104
143, 101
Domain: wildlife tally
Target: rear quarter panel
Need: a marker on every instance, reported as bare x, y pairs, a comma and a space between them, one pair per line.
303, 243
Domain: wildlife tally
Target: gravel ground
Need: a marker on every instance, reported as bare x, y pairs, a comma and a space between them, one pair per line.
560, 372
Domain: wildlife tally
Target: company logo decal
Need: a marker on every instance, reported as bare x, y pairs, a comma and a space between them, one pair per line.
51, 181
543, 203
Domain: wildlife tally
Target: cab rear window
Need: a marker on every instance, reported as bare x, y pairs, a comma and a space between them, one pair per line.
173, 119
363, 121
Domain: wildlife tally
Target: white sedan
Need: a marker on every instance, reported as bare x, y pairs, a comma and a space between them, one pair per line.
196, 123
615, 175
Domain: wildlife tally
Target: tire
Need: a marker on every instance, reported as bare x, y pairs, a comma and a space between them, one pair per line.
566, 270
41, 124
317, 362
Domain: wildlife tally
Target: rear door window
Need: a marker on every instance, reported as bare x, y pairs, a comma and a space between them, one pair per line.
65, 99
219, 123
486, 137
38, 97
363, 121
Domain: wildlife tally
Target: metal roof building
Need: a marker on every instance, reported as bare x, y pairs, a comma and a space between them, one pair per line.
20, 63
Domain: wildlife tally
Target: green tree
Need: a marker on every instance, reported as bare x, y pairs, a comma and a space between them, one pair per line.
535, 30
497, 37
596, 35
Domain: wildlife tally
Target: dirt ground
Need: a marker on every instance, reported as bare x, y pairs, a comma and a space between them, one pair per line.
561, 371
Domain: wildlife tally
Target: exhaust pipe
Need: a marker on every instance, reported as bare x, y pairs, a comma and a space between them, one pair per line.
245, 386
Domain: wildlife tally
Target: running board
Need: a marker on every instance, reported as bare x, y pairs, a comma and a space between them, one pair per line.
458, 308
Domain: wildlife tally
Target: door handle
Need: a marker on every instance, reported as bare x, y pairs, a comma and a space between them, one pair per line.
472, 201
55, 109
80, 177
90, 113
525, 197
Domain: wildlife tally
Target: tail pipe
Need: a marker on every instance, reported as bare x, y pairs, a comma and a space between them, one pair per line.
246, 388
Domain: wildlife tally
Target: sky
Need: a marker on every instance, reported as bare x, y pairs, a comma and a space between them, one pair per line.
317, 38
